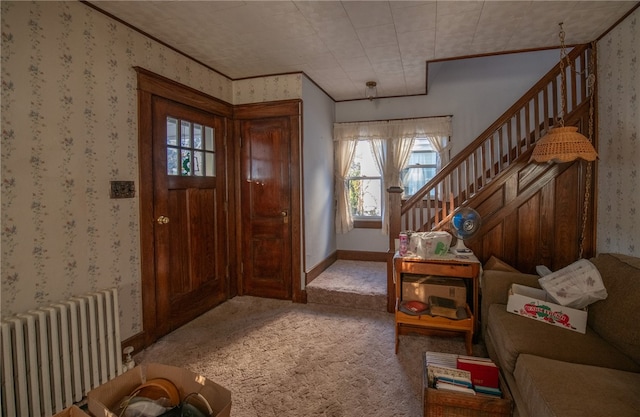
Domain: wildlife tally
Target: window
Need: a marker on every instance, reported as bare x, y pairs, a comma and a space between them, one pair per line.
190, 149
422, 166
360, 187
365, 184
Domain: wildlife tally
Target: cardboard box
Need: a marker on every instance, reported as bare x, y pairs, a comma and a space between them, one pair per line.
104, 400
73, 411
420, 287
535, 304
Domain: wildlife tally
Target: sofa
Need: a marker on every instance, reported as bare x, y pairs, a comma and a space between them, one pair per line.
553, 371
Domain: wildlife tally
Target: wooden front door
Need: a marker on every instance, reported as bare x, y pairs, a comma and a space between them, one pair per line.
188, 205
266, 207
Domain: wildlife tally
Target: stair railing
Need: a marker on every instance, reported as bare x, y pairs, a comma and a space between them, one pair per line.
497, 148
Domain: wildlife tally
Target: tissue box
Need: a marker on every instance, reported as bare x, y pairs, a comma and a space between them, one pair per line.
429, 244
535, 304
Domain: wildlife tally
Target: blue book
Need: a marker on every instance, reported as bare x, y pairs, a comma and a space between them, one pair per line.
494, 392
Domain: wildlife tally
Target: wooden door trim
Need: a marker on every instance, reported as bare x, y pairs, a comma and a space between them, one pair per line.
293, 110
265, 110
180, 93
150, 85
147, 229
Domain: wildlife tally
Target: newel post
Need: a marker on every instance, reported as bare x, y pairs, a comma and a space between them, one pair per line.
395, 210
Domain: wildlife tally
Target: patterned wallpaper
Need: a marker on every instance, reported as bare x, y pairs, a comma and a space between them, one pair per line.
272, 88
69, 127
619, 141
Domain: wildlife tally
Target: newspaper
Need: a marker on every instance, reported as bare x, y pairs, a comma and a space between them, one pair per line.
576, 285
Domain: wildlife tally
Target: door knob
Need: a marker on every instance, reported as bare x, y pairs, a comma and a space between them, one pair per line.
162, 220
284, 213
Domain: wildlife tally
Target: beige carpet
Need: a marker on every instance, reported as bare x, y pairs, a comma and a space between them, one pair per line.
354, 284
293, 360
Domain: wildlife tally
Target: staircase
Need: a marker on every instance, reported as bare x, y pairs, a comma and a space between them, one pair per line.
531, 214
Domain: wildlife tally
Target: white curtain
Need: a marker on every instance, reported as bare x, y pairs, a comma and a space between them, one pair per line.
391, 143
436, 129
381, 156
346, 136
391, 157
345, 150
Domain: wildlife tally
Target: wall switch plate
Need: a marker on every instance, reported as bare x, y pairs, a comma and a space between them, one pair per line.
123, 189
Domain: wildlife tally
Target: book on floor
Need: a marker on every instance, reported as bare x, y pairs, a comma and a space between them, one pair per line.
443, 359
493, 392
452, 375
483, 372
445, 386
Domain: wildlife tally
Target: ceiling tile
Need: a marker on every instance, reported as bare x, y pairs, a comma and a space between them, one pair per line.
342, 44
415, 18
377, 36
365, 14
383, 53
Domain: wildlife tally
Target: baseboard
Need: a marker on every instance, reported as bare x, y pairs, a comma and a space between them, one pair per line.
317, 270
353, 255
137, 341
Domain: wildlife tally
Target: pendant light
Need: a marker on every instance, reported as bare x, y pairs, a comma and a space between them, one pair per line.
564, 143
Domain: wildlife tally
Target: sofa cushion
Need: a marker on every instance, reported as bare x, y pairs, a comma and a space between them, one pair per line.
616, 318
556, 388
495, 286
514, 335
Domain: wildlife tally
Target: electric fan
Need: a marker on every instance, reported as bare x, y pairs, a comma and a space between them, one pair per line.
465, 223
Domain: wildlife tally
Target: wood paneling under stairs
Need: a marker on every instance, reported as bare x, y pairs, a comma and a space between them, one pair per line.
533, 217
531, 213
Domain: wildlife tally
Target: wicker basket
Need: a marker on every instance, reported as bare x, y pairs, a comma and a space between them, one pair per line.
438, 403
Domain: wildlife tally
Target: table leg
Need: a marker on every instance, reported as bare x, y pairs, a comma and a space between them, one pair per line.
468, 338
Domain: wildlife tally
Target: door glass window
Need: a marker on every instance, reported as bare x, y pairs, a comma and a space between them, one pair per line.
190, 149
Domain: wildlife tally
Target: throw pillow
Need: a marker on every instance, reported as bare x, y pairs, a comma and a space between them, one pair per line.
496, 264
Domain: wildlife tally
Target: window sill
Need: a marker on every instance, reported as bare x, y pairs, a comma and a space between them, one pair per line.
367, 224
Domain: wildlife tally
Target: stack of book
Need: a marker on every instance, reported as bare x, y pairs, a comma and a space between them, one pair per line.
461, 373
446, 307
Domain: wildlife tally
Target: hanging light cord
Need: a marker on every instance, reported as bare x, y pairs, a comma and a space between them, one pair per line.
591, 80
563, 75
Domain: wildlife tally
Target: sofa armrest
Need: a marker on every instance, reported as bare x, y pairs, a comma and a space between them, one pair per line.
495, 286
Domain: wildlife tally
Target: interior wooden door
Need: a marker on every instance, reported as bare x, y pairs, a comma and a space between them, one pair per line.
266, 207
188, 203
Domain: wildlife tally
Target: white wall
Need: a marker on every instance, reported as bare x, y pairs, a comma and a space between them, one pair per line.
317, 154
475, 91
618, 142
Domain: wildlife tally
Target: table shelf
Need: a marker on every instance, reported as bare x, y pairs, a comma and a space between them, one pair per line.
468, 268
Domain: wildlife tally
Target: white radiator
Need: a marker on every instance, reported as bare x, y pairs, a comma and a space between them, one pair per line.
52, 356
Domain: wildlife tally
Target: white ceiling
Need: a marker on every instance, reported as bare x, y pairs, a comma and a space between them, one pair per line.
341, 45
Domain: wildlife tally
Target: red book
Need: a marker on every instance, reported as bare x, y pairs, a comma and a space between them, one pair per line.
483, 372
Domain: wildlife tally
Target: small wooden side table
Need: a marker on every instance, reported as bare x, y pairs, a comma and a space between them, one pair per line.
467, 267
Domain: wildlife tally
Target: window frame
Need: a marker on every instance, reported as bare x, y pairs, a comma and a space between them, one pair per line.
436, 166
367, 222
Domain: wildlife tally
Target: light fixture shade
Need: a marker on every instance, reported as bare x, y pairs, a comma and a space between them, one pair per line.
371, 90
563, 144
